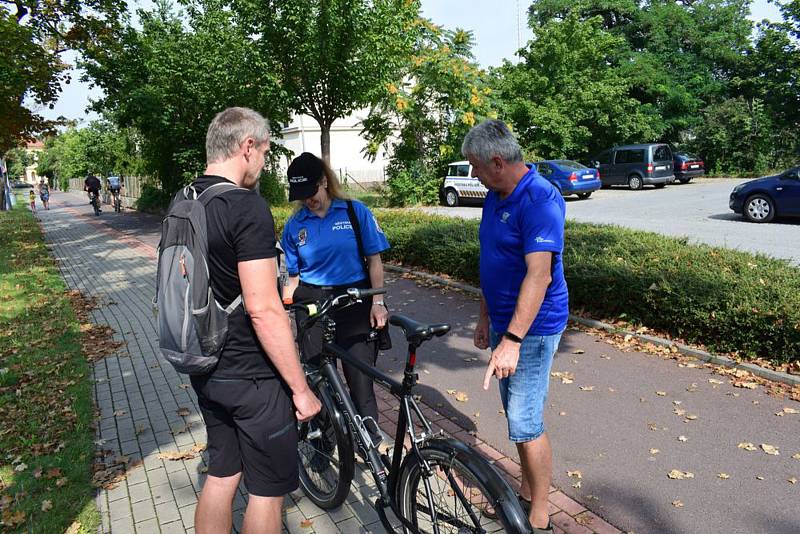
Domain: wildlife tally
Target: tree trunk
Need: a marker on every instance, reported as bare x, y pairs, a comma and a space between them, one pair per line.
325, 141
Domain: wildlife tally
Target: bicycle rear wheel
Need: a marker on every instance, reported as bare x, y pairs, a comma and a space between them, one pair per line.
468, 495
327, 462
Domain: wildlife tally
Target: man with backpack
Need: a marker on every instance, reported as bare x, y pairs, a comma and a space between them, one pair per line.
236, 343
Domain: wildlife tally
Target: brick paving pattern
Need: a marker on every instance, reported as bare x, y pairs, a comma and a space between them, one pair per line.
139, 398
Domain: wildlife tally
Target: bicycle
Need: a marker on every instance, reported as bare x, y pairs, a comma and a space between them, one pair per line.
440, 485
116, 200
94, 200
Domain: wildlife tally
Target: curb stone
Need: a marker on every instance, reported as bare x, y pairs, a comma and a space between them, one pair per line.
724, 361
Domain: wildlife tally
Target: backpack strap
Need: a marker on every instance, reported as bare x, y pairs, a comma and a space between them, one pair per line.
209, 193
351, 214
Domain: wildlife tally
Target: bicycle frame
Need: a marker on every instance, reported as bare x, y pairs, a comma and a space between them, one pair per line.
386, 482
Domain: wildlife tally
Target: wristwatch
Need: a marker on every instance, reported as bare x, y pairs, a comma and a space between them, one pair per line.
379, 303
511, 336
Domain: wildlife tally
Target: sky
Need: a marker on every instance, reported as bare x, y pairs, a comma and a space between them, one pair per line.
499, 29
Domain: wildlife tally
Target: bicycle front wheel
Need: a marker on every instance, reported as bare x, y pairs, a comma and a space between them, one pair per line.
327, 462
461, 493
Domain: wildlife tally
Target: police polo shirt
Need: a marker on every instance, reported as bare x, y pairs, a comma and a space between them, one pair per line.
324, 252
530, 219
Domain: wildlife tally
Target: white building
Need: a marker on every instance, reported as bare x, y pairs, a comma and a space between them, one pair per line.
302, 134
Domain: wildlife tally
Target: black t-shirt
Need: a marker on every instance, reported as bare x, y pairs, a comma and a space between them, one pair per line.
240, 228
92, 183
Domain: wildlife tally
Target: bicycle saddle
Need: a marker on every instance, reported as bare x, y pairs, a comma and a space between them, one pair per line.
417, 332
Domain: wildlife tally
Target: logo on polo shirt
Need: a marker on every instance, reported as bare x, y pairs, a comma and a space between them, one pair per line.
540, 239
302, 236
505, 216
342, 225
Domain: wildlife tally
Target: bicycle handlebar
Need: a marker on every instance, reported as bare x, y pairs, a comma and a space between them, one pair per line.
317, 309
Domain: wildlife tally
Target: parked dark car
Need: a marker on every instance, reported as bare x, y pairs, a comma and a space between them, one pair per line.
21, 185
764, 199
687, 166
570, 177
635, 165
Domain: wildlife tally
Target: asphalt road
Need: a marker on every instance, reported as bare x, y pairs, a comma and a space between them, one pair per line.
697, 210
604, 424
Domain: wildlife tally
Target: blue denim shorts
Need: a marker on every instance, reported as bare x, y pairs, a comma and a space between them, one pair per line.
525, 392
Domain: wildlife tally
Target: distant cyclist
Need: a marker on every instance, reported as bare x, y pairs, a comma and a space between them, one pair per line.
115, 185
44, 194
92, 186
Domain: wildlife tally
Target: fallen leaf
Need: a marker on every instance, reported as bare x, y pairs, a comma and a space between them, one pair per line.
578, 351
477, 414
792, 480
769, 449
748, 385
20, 468
61, 482
462, 397
451, 392
715, 381
577, 484
675, 474
53, 472
37, 473
47, 505
577, 474
790, 410
306, 523
183, 412
611, 390
119, 413
74, 528
691, 417
683, 438
184, 386
654, 451
758, 477
13, 519
661, 393
796, 456
587, 388
562, 413
677, 504
723, 476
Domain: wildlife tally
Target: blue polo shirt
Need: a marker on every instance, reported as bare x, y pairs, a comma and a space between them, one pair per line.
530, 219
324, 252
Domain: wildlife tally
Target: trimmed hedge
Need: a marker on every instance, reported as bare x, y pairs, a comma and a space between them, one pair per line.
729, 301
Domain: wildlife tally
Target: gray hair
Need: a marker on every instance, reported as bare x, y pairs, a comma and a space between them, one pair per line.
230, 128
489, 139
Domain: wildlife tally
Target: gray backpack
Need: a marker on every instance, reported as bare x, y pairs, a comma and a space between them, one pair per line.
192, 326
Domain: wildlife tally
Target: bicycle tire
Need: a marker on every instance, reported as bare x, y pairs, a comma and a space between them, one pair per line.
333, 448
475, 478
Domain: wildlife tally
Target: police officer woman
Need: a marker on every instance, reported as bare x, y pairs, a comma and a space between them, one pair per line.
322, 259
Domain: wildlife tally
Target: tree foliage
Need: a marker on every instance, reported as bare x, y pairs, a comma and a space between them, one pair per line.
170, 78
332, 57
423, 115
35, 34
99, 148
570, 94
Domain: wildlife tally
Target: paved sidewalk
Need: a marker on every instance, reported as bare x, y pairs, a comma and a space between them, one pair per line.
147, 409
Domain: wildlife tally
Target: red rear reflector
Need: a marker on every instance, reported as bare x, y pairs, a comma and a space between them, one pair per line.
649, 167
573, 178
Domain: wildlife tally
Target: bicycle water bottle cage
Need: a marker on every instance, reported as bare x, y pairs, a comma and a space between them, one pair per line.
416, 333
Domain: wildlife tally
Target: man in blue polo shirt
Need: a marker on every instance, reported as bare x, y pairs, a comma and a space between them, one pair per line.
524, 308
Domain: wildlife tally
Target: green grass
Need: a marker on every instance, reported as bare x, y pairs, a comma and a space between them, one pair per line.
46, 406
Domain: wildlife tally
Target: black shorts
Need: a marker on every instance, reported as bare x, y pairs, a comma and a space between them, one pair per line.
251, 429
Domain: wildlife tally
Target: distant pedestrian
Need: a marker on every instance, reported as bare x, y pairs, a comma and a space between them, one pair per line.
524, 306
44, 194
32, 196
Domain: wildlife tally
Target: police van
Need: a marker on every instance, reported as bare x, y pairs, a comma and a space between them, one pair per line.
460, 186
